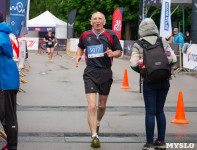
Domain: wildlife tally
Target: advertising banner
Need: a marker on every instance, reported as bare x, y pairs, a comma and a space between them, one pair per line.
190, 57
165, 21
70, 23
22, 55
32, 43
17, 16
74, 44
117, 21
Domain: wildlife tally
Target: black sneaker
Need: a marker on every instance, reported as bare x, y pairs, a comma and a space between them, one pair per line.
159, 145
95, 142
148, 146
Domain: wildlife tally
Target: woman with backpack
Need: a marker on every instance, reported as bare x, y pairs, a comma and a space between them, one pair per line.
152, 57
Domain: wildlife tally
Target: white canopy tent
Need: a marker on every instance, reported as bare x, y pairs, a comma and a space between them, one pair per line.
48, 20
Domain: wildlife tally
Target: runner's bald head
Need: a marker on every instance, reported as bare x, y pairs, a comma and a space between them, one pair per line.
98, 12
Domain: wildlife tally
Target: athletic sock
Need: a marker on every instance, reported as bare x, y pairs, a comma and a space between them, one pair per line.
98, 123
95, 135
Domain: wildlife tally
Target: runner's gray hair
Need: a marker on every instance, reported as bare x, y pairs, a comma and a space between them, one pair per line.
98, 12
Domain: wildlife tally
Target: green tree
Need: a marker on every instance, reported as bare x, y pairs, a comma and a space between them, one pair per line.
61, 8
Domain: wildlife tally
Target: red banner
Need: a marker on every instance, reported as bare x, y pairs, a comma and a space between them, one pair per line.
117, 21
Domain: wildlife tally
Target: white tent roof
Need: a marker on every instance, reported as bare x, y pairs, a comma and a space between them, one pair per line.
46, 19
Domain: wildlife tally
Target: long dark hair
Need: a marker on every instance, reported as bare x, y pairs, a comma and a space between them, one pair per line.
1, 17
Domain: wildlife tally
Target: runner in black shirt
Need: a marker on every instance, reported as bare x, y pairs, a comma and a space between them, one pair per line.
101, 46
50, 39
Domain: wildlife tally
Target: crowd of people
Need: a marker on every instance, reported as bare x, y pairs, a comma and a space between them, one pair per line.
101, 46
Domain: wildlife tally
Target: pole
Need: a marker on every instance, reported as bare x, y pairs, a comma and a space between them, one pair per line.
183, 19
141, 17
8, 11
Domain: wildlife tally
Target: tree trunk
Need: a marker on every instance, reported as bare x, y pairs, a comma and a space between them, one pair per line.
128, 30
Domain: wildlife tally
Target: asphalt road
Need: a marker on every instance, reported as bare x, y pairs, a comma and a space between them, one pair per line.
52, 112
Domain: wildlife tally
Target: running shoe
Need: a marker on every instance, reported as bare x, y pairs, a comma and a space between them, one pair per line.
95, 142
148, 146
159, 145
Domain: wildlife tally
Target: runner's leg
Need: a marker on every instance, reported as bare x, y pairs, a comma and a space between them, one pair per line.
52, 50
49, 53
101, 106
92, 119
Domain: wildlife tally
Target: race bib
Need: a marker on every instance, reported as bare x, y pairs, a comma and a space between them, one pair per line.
95, 51
50, 43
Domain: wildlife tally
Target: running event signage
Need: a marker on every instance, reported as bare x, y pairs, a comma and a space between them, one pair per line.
190, 58
165, 23
70, 23
17, 15
117, 21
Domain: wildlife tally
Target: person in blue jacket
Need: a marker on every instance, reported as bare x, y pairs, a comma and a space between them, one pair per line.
178, 37
9, 85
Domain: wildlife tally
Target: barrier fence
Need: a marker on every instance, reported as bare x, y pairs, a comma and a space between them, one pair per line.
190, 57
70, 46
23, 63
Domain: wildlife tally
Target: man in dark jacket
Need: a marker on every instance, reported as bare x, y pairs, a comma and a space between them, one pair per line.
9, 85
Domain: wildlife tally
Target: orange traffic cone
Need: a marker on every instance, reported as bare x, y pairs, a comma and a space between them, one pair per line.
125, 84
180, 113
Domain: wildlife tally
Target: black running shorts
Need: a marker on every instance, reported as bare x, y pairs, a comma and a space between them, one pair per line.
97, 80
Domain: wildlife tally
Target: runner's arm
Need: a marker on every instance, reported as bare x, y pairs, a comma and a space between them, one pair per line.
80, 52
45, 40
117, 53
111, 53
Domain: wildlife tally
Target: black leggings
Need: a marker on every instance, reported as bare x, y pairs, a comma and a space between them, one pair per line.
8, 117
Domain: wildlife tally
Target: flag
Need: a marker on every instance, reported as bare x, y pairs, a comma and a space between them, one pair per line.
165, 22
70, 23
24, 26
141, 12
17, 15
117, 21
194, 21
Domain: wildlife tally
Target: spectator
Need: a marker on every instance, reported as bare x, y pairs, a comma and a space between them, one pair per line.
178, 37
9, 85
187, 37
154, 93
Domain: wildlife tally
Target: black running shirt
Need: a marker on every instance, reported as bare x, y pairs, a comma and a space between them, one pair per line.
96, 46
49, 43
